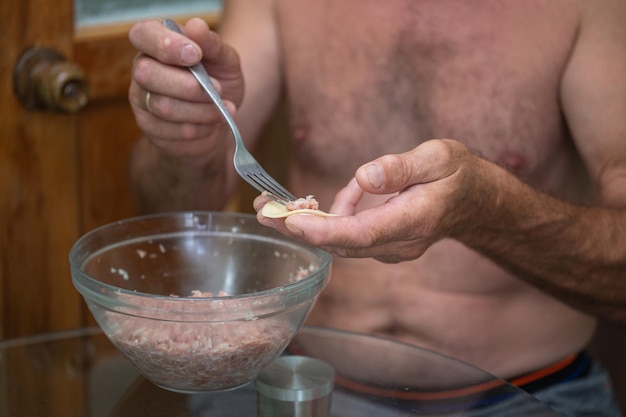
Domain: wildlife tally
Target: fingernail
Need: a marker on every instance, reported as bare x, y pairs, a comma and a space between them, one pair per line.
188, 54
375, 175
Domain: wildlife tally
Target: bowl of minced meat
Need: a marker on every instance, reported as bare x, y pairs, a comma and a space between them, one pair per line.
197, 301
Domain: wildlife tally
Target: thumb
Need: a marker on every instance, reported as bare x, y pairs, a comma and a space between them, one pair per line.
430, 161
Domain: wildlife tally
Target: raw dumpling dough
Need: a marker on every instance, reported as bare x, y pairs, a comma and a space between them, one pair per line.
275, 210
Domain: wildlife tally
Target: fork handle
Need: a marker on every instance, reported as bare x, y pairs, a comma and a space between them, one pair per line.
203, 78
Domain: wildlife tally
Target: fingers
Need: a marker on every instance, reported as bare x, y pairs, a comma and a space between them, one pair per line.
392, 232
153, 39
347, 199
358, 233
198, 44
161, 65
260, 201
174, 108
167, 118
345, 204
166, 98
425, 206
431, 161
156, 77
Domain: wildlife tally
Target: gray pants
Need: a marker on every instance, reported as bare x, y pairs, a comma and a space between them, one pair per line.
584, 397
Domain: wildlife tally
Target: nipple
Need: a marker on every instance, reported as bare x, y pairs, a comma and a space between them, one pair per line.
299, 134
512, 160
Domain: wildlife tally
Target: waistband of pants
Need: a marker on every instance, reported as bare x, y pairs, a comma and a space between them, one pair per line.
573, 367
478, 395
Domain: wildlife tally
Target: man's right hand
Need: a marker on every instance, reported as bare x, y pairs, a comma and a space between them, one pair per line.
170, 107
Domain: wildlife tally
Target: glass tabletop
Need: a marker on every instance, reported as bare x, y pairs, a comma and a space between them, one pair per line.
80, 373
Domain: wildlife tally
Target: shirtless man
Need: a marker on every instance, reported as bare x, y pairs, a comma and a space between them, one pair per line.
532, 92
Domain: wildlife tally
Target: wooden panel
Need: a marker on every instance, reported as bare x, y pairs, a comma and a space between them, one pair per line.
107, 134
60, 175
39, 215
38, 211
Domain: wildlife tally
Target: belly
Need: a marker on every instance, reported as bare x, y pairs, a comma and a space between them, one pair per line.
455, 302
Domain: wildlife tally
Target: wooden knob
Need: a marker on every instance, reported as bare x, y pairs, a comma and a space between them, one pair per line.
43, 79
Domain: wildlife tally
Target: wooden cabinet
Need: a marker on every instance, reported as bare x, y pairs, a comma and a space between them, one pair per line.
61, 174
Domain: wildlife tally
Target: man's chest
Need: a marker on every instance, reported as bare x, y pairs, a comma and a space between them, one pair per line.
387, 79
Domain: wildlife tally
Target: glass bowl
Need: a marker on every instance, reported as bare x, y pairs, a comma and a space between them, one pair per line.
197, 301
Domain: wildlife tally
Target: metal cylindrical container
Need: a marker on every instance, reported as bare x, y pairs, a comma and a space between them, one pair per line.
295, 386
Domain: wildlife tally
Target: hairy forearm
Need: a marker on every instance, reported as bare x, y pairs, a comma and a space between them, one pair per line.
166, 183
576, 253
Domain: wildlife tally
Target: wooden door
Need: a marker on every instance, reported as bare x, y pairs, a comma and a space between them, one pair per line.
61, 174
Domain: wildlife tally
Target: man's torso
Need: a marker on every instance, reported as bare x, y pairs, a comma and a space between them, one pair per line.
368, 78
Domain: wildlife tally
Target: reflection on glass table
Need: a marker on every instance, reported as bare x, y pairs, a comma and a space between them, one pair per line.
79, 373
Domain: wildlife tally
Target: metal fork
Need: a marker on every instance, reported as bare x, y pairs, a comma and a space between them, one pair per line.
246, 166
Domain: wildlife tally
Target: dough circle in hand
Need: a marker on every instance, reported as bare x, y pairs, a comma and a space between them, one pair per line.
274, 210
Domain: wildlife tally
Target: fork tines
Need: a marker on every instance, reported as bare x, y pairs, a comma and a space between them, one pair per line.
274, 190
